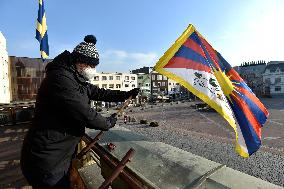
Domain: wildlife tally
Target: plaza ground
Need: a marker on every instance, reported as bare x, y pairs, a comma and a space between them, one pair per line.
203, 133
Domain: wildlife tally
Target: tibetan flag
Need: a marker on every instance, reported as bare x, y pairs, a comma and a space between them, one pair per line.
193, 63
41, 31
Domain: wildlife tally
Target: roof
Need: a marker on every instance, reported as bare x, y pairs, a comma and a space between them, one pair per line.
273, 65
146, 70
26, 62
255, 68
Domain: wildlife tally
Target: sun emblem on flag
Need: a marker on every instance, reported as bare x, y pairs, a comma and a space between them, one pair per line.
226, 84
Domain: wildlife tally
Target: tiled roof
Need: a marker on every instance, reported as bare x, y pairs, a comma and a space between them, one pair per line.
29, 62
273, 65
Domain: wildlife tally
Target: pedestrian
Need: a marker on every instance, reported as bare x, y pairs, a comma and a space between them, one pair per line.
125, 119
62, 112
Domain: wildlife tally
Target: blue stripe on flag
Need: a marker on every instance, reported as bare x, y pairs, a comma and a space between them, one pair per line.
251, 139
257, 112
38, 36
44, 44
194, 37
209, 62
40, 13
224, 65
242, 84
188, 53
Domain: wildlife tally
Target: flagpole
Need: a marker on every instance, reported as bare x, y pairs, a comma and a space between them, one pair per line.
151, 85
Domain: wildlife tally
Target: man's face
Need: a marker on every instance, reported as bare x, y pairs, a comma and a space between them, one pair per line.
88, 71
81, 66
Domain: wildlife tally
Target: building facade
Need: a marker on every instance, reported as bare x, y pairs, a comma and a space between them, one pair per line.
149, 80
173, 87
273, 78
115, 81
26, 77
144, 80
159, 84
5, 95
144, 83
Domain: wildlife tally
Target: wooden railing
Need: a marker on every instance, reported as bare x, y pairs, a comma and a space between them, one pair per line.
107, 161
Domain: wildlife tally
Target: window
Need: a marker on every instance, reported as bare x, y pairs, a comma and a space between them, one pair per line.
267, 90
126, 77
140, 77
277, 88
118, 86
278, 80
159, 77
104, 86
147, 84
126, 85
133, 85
133, 78
111, 86
96, 78
163, 83
104, 78
117, 77
164, 78
267, 81
110, 77
170, 83
139, 84
153, 77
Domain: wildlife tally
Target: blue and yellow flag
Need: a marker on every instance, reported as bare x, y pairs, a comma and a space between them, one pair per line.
41, 31
193, 63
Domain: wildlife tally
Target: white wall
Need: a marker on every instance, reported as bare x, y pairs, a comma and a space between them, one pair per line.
125, 82
173, 87
274, 84
4, 72
144, 83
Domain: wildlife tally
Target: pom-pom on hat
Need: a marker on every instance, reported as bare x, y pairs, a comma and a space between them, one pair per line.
86, 51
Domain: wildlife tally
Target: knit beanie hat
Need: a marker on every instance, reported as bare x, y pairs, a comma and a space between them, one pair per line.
86, 51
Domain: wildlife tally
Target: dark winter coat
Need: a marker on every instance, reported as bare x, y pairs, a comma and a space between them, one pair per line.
62, 113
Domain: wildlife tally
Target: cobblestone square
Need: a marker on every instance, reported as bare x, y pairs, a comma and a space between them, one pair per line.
208, 135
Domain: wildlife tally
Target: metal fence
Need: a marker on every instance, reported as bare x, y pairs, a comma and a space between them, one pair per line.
16, 113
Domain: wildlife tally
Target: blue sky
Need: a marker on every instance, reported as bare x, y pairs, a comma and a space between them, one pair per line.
134, 33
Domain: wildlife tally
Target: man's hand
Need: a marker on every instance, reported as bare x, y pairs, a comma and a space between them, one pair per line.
134, 92
111, 121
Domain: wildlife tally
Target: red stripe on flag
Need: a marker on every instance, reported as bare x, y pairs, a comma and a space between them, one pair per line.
254, 99
249, 115
189, 43
179, 62
211, 52
233, 75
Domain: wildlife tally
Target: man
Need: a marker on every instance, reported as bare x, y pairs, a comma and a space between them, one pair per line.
62, 112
